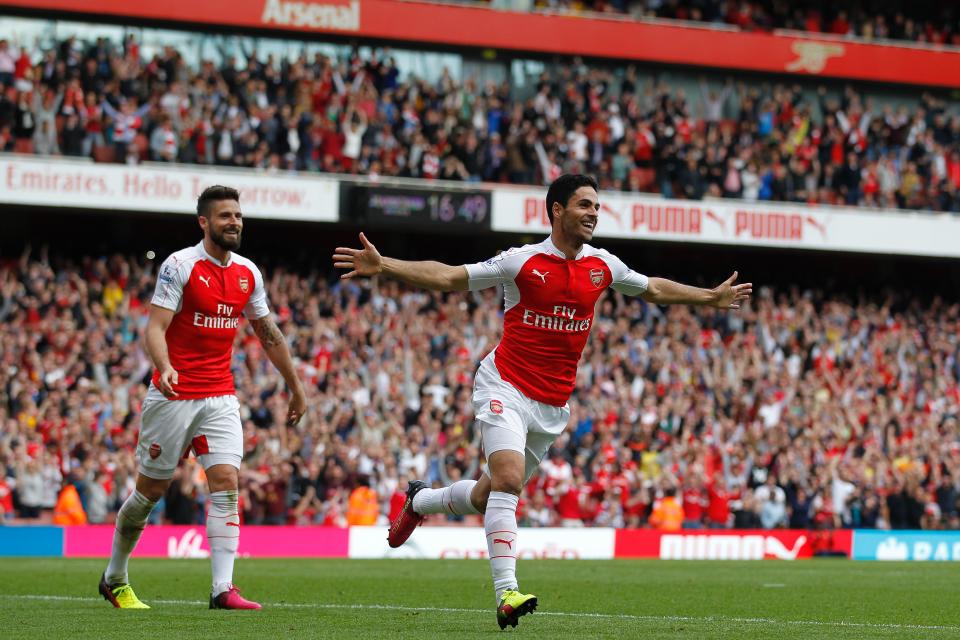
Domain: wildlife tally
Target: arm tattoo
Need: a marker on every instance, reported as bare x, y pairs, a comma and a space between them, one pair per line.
268, 332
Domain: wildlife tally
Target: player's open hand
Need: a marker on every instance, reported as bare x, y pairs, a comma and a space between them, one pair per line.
168, 378
361, 262
729, 295
298, 406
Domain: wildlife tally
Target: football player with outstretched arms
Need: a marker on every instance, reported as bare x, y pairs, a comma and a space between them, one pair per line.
522, 387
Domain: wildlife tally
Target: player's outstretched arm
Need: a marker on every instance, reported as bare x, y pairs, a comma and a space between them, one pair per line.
726, 295
426, 275
276, 348
155, 341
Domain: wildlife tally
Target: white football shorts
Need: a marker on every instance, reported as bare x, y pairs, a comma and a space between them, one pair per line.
209, 426
511, 421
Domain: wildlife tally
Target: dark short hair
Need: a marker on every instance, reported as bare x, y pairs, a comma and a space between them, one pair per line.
564, 187
214, 194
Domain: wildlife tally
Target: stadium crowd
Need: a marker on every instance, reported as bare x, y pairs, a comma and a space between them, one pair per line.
927, 22
804, 409
362, 115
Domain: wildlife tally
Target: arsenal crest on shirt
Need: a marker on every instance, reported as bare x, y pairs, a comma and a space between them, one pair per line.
596, 277
244, 284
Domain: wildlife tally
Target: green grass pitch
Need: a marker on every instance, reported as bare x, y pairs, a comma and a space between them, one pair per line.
427, 599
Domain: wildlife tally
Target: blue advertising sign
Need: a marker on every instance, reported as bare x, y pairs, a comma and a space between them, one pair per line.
906, 545
31, 541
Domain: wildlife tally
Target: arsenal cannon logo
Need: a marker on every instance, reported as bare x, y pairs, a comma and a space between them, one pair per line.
596, 277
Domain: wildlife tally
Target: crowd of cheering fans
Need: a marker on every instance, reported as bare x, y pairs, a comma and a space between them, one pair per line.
363, 115
805, 409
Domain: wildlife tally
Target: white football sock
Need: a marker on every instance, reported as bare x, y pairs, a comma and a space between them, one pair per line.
223, 535
500, 523
453, 500
131, 520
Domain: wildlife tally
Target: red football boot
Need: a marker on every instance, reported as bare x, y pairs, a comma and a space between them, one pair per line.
231, 599
408, 520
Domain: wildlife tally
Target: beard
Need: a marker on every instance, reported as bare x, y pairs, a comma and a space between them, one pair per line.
222, 241
577, 233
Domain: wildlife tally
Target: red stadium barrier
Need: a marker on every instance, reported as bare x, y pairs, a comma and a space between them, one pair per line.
621, 39
191, 542
725, 544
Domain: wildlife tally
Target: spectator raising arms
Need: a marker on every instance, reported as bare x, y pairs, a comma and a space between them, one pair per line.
803, 394
363, 116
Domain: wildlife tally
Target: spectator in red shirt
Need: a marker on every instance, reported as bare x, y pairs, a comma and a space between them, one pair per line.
6, 500
694, 503
718, 507
570, 504
840, 26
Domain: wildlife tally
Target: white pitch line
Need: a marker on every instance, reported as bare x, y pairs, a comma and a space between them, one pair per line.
774, 585
566, 614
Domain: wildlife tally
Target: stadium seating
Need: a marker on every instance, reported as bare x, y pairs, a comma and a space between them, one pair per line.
809, 409
727, 138
917, 22
846, 414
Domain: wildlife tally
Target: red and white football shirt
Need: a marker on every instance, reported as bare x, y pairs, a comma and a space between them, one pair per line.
208, 298
548, 312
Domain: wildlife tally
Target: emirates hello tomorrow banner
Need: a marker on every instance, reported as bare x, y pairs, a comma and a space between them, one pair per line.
30, 180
